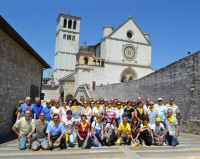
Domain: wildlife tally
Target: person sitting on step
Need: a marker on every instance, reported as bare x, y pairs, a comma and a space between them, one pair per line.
56, 133
124, 132
159, 132
24, 128
40, 137
83, 133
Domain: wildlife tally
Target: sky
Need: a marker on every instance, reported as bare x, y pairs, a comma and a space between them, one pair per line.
173, 25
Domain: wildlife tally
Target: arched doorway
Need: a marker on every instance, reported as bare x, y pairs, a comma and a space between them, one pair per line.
128, 74
123, 79
62, 96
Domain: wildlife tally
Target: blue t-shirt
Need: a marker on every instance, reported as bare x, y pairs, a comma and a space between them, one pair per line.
24, 107
38, 110
46, 110
161, 112
55, 129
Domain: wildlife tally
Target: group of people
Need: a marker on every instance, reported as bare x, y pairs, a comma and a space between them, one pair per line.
96, 123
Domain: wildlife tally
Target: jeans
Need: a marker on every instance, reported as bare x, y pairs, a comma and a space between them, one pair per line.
99, 142
70, 138
22, 143
171, 140
160, 133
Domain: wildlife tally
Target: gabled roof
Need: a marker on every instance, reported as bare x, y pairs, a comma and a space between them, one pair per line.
70, 77
130, 18
10, 31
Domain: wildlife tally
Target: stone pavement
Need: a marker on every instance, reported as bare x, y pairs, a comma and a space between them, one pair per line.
189, 148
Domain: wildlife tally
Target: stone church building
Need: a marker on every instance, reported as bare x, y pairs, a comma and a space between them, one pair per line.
21, 73
123, 54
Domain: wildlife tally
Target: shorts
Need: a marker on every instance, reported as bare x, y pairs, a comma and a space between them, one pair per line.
40, 142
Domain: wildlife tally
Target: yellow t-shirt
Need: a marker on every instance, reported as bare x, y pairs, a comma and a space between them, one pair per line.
24, 127
124, 128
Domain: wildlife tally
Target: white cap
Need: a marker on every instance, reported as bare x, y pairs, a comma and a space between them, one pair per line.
160, 99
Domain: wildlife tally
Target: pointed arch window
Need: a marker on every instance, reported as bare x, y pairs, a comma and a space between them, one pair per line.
65, 23
74, 25
68, 37
70, 24
86, 60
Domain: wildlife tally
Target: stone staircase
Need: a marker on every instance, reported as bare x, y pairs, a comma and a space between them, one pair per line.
94, 95
189, 148
83, 90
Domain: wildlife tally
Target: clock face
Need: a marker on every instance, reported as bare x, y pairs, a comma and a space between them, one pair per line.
129, 53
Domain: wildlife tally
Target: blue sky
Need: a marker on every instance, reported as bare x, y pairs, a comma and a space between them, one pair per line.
173, 25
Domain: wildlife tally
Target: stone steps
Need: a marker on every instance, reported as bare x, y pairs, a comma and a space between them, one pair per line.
189, 147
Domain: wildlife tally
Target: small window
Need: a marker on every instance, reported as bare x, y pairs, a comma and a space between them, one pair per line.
86, 60
68, 37
74, 25
102, 63
73, 38
34, 91
70, 24
65, 23
130, 78
64, 36
129, 34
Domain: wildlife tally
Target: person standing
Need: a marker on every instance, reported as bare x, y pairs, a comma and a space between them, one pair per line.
76, 110
147, 104
24, 128
129, 111
55, 109
119, 112
151, 112
140, 112
173, 106
38, 107
47, 110
161, 110
87, 110
24, 107
110, 112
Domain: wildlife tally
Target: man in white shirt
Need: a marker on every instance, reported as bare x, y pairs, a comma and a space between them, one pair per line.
159, 132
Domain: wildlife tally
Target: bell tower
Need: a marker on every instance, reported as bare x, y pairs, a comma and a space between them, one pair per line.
67, 45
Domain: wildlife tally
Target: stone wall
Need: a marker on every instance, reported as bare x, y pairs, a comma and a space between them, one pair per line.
180, 79
50, 92
18, 71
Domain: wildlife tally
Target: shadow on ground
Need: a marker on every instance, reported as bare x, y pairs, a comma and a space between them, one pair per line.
7, 137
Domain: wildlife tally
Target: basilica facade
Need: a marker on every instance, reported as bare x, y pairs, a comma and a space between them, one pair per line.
123, 54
